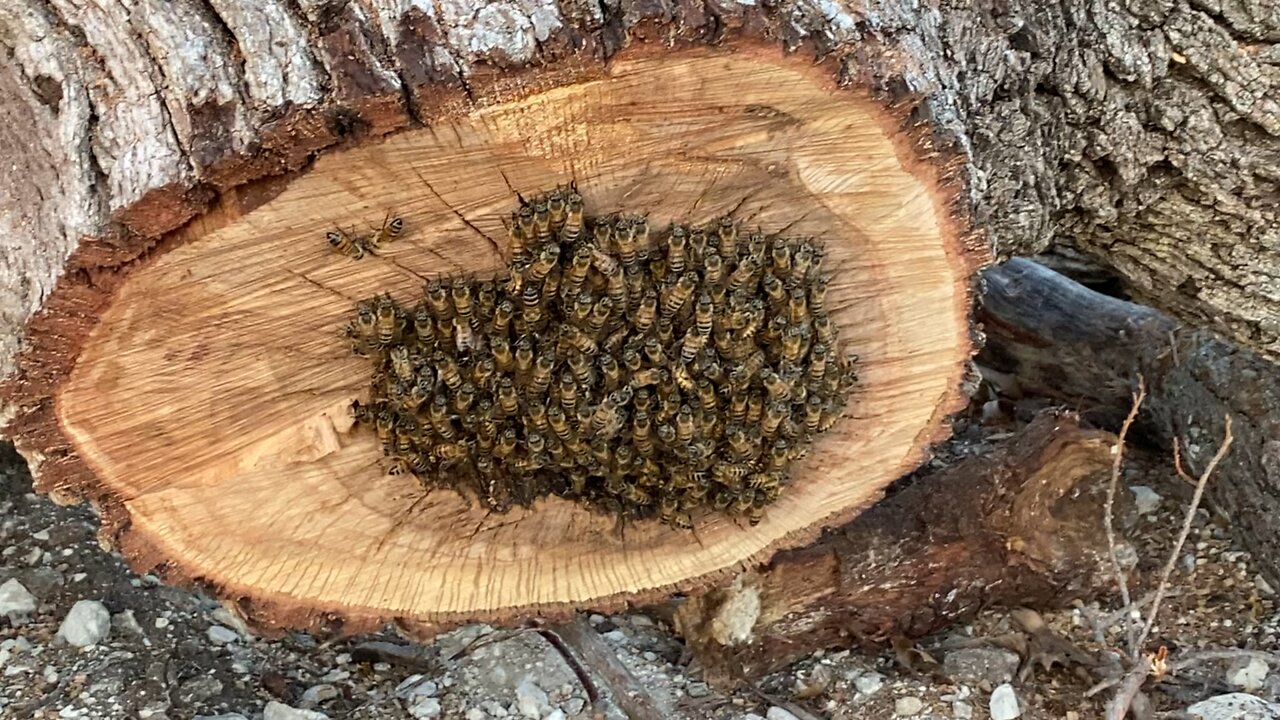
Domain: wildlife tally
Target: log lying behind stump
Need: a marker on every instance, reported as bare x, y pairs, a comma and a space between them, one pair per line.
1020, 525
199, 395
1051, 335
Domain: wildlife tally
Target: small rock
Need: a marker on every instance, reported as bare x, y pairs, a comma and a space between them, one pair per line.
616, 636
317, 694
162, 623
88, 623
556, 714
574, 705
1235, 706
15, 599
42, 536
531, 700
777, 713
127, 622
223, 616
697, 689
227, 716
1263, 586
751, 716
974, 665
596, 619
1248, 674
198, 689
907, 706
416, 686
1145, 499
869, 684
962, 711
219, 635
279, 711
494, 709
475, 714
425, 708
1004, 703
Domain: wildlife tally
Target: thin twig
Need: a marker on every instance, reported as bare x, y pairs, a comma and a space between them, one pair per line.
1201, 484
1109, 517
1118, 708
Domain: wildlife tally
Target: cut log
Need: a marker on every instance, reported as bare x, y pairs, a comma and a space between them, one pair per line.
198, 393
1021, 525
1051, 335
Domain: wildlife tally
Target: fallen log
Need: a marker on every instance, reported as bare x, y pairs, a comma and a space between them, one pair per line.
1046, 334
1021, 525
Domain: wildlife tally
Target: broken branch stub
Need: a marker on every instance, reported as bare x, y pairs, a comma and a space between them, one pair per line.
207, 409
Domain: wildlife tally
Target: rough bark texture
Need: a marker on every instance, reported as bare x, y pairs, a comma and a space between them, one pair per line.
1145, 133
1020, 525
1055, 336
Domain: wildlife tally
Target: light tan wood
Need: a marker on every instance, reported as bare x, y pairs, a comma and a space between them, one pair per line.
211, 398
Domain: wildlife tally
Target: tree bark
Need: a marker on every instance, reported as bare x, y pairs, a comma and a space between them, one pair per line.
1049, 335
1020, 525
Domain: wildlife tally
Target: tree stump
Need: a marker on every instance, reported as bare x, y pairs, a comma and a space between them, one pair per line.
198, 393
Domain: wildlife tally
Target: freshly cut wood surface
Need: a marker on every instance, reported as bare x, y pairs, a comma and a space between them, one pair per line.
210, 400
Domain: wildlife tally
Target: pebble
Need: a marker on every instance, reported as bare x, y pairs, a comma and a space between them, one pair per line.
219, 635
425, 708
697, 689
227, 716
531, 700
1248, 674
475, 714
574, 705
15, 599
317, 694
616, 636
556, 714
974, 665
777, 713
279, 711
869, 683
127, 622
1235, 706
416, 686
88, 623
1004, 703
42, 536
1145, 499
907, 706
162, 623
962, 711
1263, 586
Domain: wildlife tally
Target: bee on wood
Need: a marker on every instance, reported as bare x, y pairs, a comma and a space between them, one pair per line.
390, 321
677, 295
779, 454
727, 232
556, 208
624, 236
780, 259
344, 244
743, 274
572, 228
391, 229
802, 262
363, 413
437, 297
713, 268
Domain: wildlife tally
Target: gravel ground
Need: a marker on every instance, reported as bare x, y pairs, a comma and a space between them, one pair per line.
83, 637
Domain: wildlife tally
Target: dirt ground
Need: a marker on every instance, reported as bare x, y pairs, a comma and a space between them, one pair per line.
174, 653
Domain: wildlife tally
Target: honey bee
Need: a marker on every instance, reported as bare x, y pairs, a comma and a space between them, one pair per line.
610, 371
691, 345
737, 407
572, 228
624, 236
363, 413
568, 391
541, 266
524, 356
649, 376
541, 378
697, 245
743, 274
600, 314
780, 258
447, 368
400, 362
681, 520
792, 344
774, 289
559, 422
677, 295
646, 313
390, 321
556, 208
641, 433
500, 348
344, 244
802, 262
779, 454
727, 231
707, 395
713, 268
684, 425
579, 267
508, 399
580, 365
755, 408
581, 341
677, 246
541, 222
391, 228
824, 330
665, 331
602, 235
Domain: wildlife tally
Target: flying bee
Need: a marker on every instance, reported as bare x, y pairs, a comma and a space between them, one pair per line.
385, 234
713, 268
344, 244
508, 399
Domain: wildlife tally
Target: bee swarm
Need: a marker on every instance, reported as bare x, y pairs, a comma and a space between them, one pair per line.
644, 376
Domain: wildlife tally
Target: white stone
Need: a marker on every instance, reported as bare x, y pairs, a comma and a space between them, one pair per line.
425, 708
907, 706
416, 686
87, 624
1004, 703
162, 623
280, 711
556, 714
317, 694
227, 716
475, 714
531, 700
777, 713
869, 683
219, 635
1235, 706
962, 711
15, 599
1248, 674
1145, 499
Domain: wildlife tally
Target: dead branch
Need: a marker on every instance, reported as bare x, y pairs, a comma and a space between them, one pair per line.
1117, 467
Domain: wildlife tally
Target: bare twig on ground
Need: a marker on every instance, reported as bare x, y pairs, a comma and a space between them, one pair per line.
1117, 466
583, 647
1153, 663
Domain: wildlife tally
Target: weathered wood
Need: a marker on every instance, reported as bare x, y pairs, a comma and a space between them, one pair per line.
1050, 335
625, 692
1021, 525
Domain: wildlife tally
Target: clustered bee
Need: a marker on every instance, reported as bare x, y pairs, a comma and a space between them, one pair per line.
355, 246
646, 374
